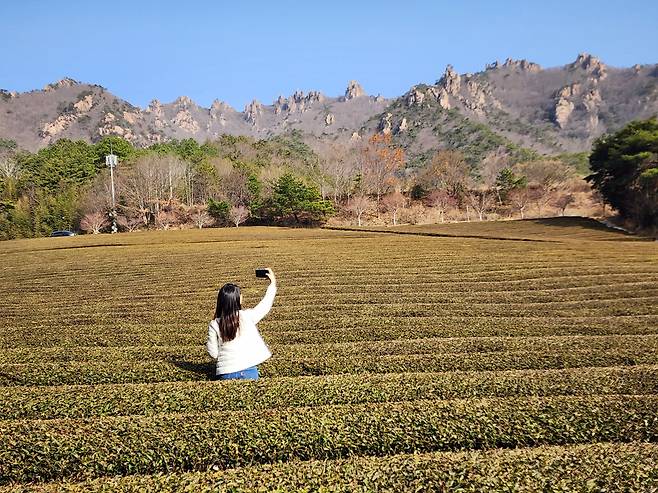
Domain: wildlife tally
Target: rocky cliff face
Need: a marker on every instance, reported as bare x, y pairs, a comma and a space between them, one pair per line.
551, 110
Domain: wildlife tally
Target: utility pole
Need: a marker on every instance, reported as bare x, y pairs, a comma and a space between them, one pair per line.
111, 161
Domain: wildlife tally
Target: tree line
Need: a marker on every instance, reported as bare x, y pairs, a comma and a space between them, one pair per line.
285, 180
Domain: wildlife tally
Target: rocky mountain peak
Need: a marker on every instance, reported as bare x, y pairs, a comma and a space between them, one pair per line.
253, 111
65, 82
184, 102
522, 64
154, 106
354, 90
219, 106
589, 64
298, 102
450, 81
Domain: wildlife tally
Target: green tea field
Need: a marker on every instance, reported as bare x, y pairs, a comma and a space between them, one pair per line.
514, 356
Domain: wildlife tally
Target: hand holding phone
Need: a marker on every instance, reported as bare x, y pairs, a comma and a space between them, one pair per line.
265, 273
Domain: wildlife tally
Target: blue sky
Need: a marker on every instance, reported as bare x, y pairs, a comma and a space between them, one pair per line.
240, 50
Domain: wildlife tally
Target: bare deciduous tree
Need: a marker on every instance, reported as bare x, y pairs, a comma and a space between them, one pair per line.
338, 170
200, 217
519, 198
447, 170
563, 200
481, 200
441, 200
165, 219
129, 222
238, 214
542, 197
146, 185
93, 222
492, 164
358, 206
379, 162
393, 202
234, 187
545, 173
175, 172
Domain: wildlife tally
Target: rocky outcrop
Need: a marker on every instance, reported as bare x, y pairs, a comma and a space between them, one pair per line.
562, 112
155, 108
84, 104
591, 65
49, 130
415, 97
131, 117
591, 103
298, 102
450, 81
330, 119
253, 112
65, 82
57, 126
402, 126
355, 137
218, 112
185, 121
440, 95
443, 99
476, 99
564, 105
184, 102
522, 65
354, 90
110, 125
279, 104
386, 124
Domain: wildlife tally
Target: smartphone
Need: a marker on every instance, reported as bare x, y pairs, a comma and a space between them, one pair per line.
262, 273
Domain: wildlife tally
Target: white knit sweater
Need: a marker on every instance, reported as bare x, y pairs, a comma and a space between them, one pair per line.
248, 348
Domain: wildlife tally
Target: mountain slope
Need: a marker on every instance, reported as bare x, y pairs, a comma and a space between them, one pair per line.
513, 104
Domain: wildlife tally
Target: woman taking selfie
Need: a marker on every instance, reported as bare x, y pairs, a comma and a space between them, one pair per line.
233, 337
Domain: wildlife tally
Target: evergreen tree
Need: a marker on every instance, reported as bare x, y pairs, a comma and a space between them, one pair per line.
625, 171
291, 197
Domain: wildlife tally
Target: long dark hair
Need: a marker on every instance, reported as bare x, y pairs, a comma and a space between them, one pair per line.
226, 313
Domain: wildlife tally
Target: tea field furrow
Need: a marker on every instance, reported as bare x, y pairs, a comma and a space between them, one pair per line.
85, 449
87, 401
595, 467
187, 368
109, 332
432, 345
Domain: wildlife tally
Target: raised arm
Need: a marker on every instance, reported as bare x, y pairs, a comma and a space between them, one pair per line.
261, 309
212, 345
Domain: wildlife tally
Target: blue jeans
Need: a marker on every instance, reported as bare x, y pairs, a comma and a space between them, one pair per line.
250, 373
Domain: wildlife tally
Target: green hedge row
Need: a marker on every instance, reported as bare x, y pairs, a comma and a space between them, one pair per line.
81, 401
557, 469
81, 449
288, 364
435, 345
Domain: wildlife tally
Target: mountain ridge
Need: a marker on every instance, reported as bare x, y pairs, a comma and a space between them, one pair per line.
516, 103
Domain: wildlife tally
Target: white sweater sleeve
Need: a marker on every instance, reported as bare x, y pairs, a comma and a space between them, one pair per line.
261, 309
212, 345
